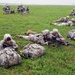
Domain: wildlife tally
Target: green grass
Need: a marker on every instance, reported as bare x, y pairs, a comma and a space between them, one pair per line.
56, 61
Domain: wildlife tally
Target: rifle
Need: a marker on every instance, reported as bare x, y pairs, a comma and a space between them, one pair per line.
70, 44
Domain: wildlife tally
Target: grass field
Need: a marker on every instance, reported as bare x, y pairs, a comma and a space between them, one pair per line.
56, 61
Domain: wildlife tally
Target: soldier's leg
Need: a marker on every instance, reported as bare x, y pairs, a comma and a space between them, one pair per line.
56, 24
60, 20
56, 21
22, 36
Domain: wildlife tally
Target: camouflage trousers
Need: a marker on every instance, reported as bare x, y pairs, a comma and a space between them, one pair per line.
33, 38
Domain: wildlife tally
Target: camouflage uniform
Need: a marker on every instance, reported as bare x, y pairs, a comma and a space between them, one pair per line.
48, 37
7, 10
20, 9
8, 55
72, 13
41, 38
58, 38
69, 23
63, 19
27, 10
37, 38
4, 45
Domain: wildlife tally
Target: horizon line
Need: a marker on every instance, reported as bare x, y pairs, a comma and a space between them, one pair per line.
33, 4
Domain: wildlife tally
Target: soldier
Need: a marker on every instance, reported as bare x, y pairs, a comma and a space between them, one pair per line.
37, 38
69, 23
6, 7
72, 13
48, 37
27, 10
58, 39
7, 10
20, 9
63, 19
8, 42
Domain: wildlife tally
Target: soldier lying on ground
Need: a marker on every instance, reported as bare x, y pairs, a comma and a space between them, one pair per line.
55, 38
72, 13
8, 42
69, 23
63, 19
37, 38
51, 38
58, 39
48, 37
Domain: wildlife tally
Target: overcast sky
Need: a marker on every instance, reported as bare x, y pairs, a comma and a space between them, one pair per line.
41, 2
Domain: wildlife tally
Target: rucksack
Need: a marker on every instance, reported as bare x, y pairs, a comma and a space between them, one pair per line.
33, 51
71, 34
9, 57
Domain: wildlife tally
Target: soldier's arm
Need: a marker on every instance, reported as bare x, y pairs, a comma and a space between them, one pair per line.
15, 46
1, 45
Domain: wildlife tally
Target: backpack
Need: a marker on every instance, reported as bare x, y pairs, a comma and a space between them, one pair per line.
71, 34
9, 57
33, 51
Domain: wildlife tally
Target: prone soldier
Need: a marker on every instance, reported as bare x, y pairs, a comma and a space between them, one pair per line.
8, 42
58, 39
37, 38
63, 19
69, 23
72, 13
